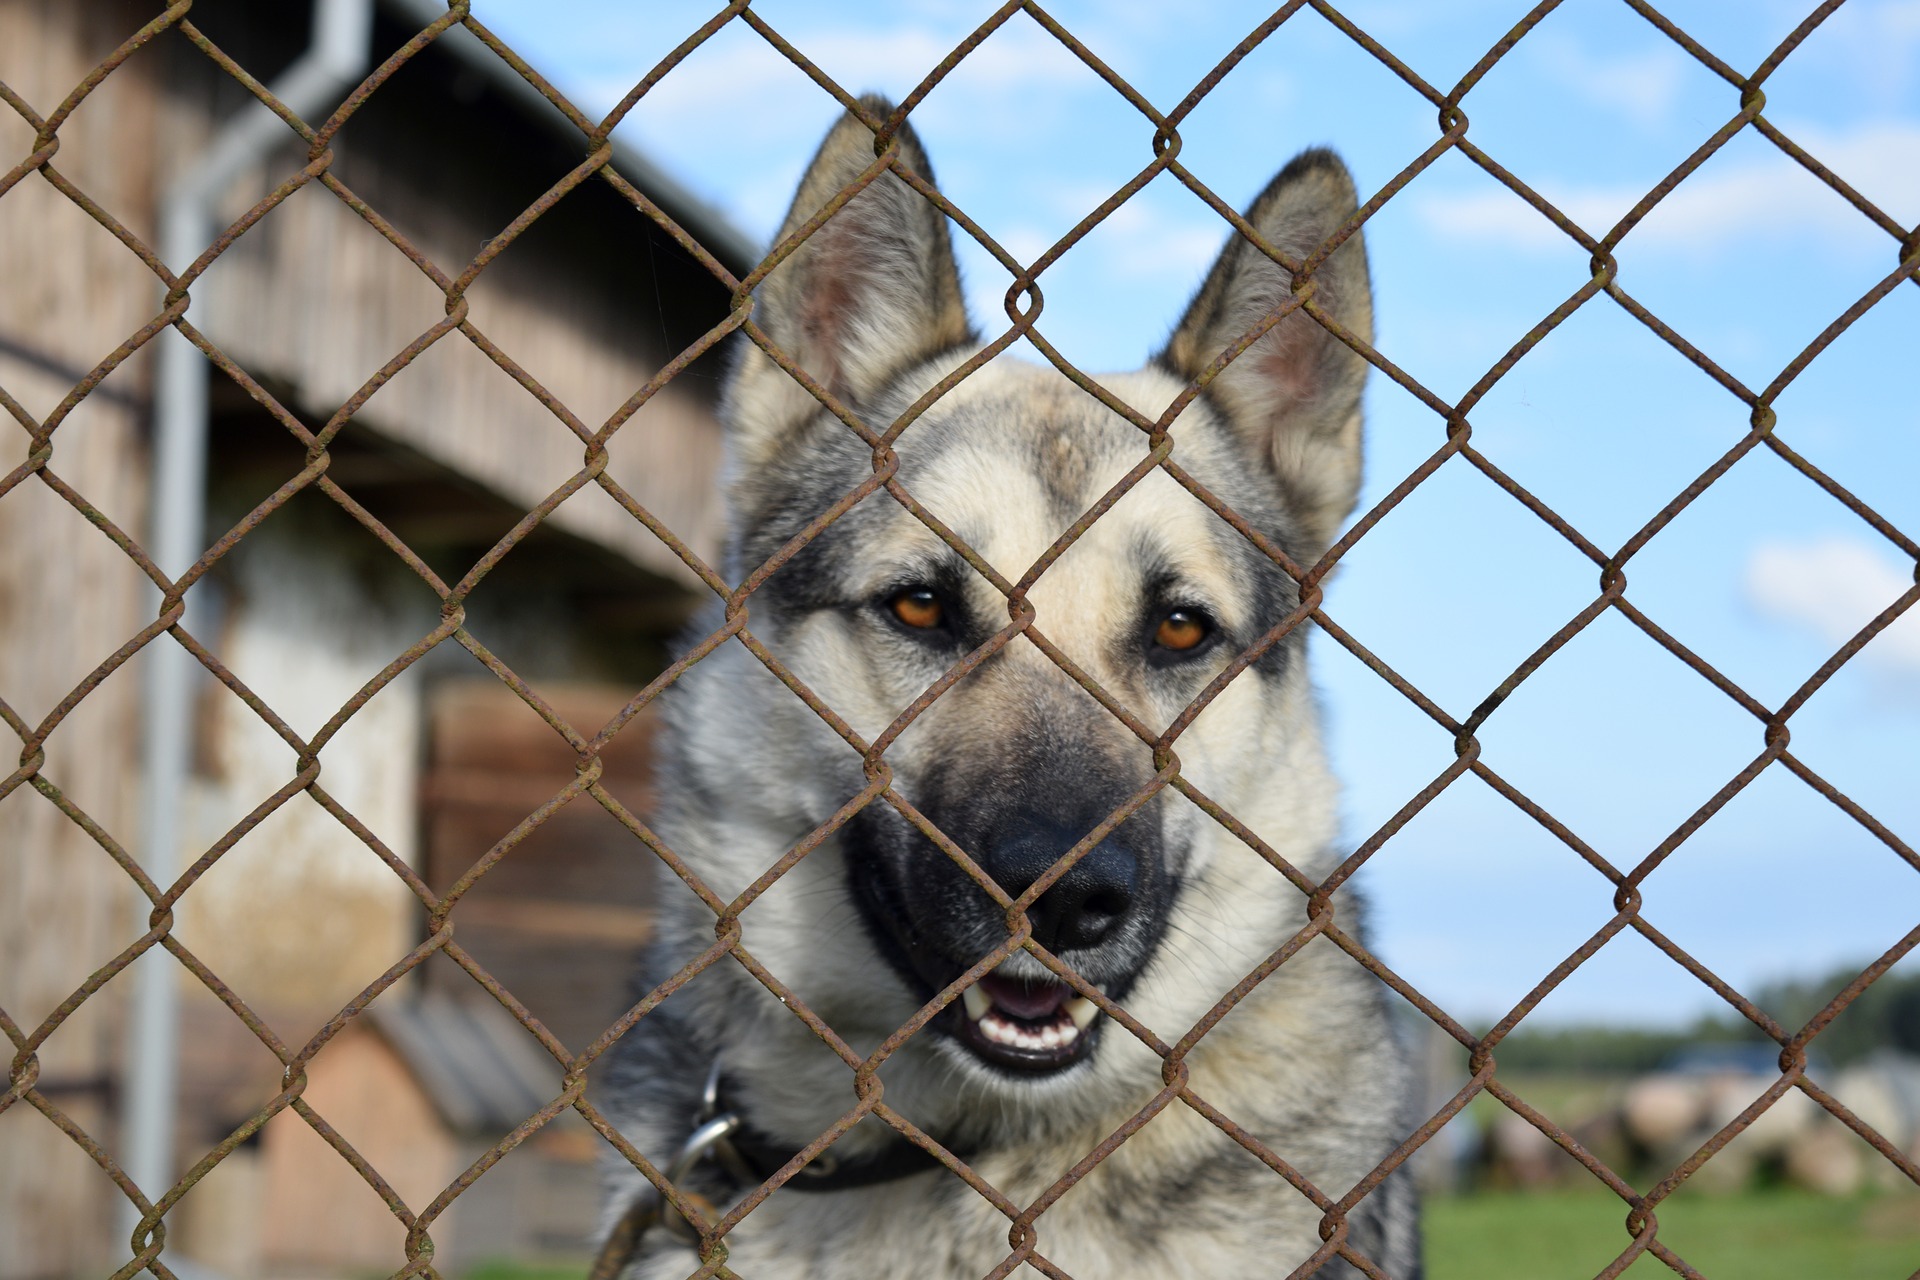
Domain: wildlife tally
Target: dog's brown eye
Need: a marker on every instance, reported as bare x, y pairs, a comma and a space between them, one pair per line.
1180, 630
918, 608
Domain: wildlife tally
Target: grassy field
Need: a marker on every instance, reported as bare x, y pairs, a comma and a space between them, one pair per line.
530, 1270
1770, 1235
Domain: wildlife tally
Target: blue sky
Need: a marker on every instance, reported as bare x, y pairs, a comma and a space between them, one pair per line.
1751, 258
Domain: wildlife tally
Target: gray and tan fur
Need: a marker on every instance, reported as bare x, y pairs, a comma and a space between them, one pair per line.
1015, 763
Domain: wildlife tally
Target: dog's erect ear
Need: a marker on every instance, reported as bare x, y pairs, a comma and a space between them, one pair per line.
1294, 395
872, 291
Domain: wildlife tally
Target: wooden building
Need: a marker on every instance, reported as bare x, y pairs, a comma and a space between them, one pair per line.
300, 914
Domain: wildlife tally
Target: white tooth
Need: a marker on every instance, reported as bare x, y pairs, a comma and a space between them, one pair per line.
1050, 1038
1083, 1011
976, 1003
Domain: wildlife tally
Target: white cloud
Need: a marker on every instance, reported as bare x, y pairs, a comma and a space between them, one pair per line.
1152, 249
1498, 214
738, 106
749, 78
1769, 195
1157, 234
1877, 46
1154, 243
1641, 86
1834, 586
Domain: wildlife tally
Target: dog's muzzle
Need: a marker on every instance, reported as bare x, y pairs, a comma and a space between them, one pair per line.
1102, 917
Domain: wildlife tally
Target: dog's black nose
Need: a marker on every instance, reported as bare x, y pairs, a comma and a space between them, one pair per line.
1085, 906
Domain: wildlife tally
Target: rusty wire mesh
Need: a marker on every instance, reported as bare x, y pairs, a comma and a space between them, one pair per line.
571, 1064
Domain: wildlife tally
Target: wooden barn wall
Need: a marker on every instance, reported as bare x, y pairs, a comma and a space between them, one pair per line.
590, 302
311, 300
68, 599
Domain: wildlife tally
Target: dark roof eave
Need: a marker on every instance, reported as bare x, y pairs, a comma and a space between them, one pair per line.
734, 249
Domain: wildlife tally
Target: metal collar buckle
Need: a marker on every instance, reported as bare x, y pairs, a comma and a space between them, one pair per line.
724, 1137
710, 1139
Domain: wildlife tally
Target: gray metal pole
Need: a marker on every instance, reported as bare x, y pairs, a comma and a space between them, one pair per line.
335, 59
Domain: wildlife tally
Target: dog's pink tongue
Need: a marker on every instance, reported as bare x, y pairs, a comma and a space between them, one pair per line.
1034, 1002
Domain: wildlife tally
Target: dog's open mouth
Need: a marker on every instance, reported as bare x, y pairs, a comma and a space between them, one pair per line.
1027, 1026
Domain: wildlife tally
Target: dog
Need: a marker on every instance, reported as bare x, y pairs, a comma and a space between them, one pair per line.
1021, 1074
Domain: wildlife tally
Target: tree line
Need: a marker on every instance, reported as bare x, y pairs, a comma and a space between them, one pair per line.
1886, 1016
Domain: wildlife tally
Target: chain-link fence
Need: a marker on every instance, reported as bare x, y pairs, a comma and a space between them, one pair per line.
596, 163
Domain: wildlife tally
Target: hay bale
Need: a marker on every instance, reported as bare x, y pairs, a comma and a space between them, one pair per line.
1661, 1110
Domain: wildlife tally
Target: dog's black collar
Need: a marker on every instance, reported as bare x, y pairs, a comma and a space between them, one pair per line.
763, 1157
723, 1136
752, 1157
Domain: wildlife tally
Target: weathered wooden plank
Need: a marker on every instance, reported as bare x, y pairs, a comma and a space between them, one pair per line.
68, 597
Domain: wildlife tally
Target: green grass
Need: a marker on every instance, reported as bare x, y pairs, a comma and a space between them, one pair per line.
1565, 1235
503, 1270
1763, 1235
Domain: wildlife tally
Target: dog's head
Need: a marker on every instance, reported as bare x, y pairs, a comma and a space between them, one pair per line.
1016, 762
